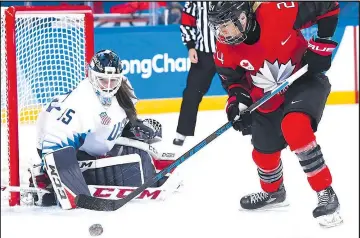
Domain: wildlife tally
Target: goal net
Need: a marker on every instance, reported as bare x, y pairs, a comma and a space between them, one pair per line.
44, 52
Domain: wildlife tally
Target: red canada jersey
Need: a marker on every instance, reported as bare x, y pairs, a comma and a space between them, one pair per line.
274, 57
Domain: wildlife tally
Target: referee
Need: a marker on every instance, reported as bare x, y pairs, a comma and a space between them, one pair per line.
200, 42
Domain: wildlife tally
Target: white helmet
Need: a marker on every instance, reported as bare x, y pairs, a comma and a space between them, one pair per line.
105, 75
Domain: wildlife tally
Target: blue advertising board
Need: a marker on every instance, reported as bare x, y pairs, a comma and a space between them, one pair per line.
154, 59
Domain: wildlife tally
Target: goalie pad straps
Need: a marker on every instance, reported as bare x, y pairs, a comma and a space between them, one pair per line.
64, 172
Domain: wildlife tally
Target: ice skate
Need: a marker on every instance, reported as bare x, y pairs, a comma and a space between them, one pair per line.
179, 140
327, 211
263, 200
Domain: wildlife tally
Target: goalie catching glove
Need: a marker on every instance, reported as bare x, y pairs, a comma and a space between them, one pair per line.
143, 130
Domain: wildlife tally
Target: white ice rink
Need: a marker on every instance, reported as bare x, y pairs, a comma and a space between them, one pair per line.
214, 180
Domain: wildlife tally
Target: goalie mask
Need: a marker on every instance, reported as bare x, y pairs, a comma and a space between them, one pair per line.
105, 75
231, 21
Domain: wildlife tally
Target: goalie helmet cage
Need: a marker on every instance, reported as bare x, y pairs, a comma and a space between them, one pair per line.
44, 52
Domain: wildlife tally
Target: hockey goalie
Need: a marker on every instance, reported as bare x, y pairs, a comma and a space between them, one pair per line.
92, 136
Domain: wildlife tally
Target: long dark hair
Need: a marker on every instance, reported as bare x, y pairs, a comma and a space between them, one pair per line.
124, 96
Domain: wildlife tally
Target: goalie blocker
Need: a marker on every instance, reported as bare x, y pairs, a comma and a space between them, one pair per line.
111, 177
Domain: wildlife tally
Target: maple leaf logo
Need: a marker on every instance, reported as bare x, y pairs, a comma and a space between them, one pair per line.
246, 64
271, 75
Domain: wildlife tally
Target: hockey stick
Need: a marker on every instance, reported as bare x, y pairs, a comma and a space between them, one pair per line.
98, 204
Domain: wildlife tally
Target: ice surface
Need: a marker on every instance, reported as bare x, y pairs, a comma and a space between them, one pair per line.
214, 180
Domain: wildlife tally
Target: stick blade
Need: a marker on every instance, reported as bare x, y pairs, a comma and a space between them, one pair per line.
95, 204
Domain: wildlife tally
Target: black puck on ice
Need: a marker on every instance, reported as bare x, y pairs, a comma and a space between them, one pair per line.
96, 230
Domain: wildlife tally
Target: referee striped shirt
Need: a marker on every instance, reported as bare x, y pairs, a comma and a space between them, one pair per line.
195, 32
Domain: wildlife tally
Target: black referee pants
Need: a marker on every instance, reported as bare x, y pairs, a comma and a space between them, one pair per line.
197, 84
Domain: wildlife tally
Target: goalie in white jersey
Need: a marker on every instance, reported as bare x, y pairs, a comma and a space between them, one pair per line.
79, 137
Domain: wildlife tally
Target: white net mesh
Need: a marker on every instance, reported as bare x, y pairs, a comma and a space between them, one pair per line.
3, 67
50, 53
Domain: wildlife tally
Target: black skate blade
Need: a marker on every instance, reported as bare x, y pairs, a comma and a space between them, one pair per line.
278, 207
93, 203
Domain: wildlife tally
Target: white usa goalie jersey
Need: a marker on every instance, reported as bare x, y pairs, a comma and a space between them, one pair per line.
78, 119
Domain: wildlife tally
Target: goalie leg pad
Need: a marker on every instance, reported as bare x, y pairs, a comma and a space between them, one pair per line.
122, 166
111, 171
148, 169
65, 175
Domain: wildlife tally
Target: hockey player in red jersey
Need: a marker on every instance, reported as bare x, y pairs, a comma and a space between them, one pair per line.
258, 46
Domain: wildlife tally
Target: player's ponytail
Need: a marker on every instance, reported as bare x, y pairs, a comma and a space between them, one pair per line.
125, 98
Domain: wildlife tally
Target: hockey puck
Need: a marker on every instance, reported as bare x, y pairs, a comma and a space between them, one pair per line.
96, 230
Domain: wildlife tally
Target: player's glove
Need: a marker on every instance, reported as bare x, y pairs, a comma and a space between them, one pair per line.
318, 55
142, 131
239, 99
42, 181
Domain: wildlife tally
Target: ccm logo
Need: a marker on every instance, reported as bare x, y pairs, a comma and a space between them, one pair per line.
55, 177
321, 49
123, 192
85, 164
